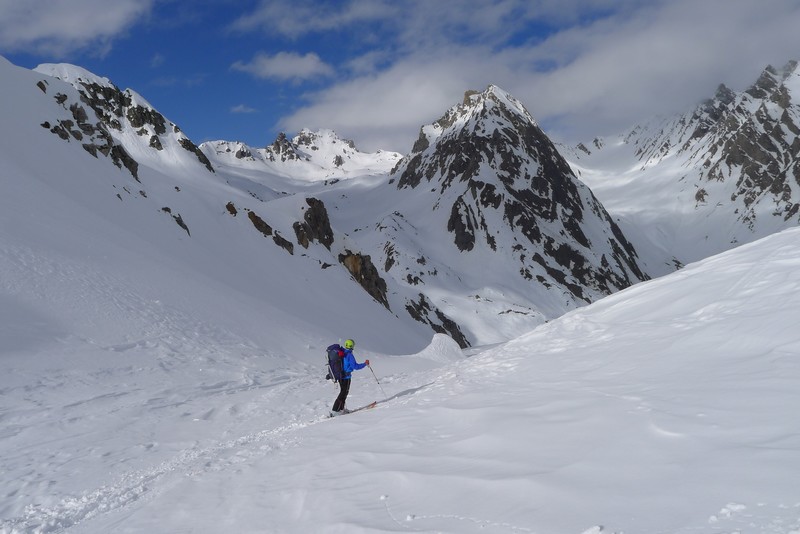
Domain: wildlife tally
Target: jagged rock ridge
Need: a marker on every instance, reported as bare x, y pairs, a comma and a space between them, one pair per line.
748, 138
723, 174
116, 112
307, 153
499, 176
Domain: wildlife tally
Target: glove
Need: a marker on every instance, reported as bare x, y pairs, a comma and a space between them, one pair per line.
366, 362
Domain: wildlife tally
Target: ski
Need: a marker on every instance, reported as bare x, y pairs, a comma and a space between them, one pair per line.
365, 407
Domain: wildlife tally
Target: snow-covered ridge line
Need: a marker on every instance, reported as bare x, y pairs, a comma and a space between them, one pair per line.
308, 156
699, 183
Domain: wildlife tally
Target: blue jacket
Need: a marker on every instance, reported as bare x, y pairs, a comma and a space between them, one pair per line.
349, 363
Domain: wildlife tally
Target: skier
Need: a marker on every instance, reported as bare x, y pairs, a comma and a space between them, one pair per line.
349, 364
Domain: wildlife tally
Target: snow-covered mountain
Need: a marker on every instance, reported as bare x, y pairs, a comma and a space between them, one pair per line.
89, 166
114, 123
139, 396
163, 319
512, 207
308, 155
482, 232
723, 174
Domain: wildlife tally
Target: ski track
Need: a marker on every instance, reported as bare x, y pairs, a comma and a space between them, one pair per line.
408, 523
145, 483
167, 341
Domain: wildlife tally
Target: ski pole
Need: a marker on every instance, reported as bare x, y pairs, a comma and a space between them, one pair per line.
378, 381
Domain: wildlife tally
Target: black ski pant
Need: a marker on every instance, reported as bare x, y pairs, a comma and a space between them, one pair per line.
344, 384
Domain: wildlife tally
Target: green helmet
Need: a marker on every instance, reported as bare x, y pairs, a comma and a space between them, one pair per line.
349, 343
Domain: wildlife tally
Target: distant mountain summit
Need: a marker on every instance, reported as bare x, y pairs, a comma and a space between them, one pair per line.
725, 173
309, 155
749, 140
510, 195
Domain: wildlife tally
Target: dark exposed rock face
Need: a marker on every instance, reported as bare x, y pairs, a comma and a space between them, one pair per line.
283, 243
187, 144
139, 116
243, 153
259, 223
487, 157
316, 225
425, 312
365, 273
282, 149
262, 226
95, 137
109, 109
749, 138
121, 157
178, 219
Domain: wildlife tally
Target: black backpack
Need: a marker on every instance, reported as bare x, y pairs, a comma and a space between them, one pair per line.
335, 354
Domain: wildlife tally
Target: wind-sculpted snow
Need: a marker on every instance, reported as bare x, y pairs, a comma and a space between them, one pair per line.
666, 407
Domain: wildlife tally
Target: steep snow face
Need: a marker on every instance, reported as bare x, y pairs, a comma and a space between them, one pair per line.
507, 202
164, 234
693, 185
73, 74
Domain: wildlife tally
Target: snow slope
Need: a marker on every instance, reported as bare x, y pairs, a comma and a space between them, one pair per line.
668, 407
397, 244
155, 382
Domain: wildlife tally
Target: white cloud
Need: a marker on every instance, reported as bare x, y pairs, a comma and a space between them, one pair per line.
305, 16
285, 66
242, 108
57, 28
387, 110
157, 60
594, 76
661, 60
368, 63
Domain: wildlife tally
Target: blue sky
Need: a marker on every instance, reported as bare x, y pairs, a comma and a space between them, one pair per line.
376, 70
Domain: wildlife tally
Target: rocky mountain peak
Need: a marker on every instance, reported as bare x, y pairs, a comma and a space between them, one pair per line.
491, 127
771, 80
734, 159
119, 112
73, 74
310, 140
507, 190
282, 149
476, 106
751, 142
724, 94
